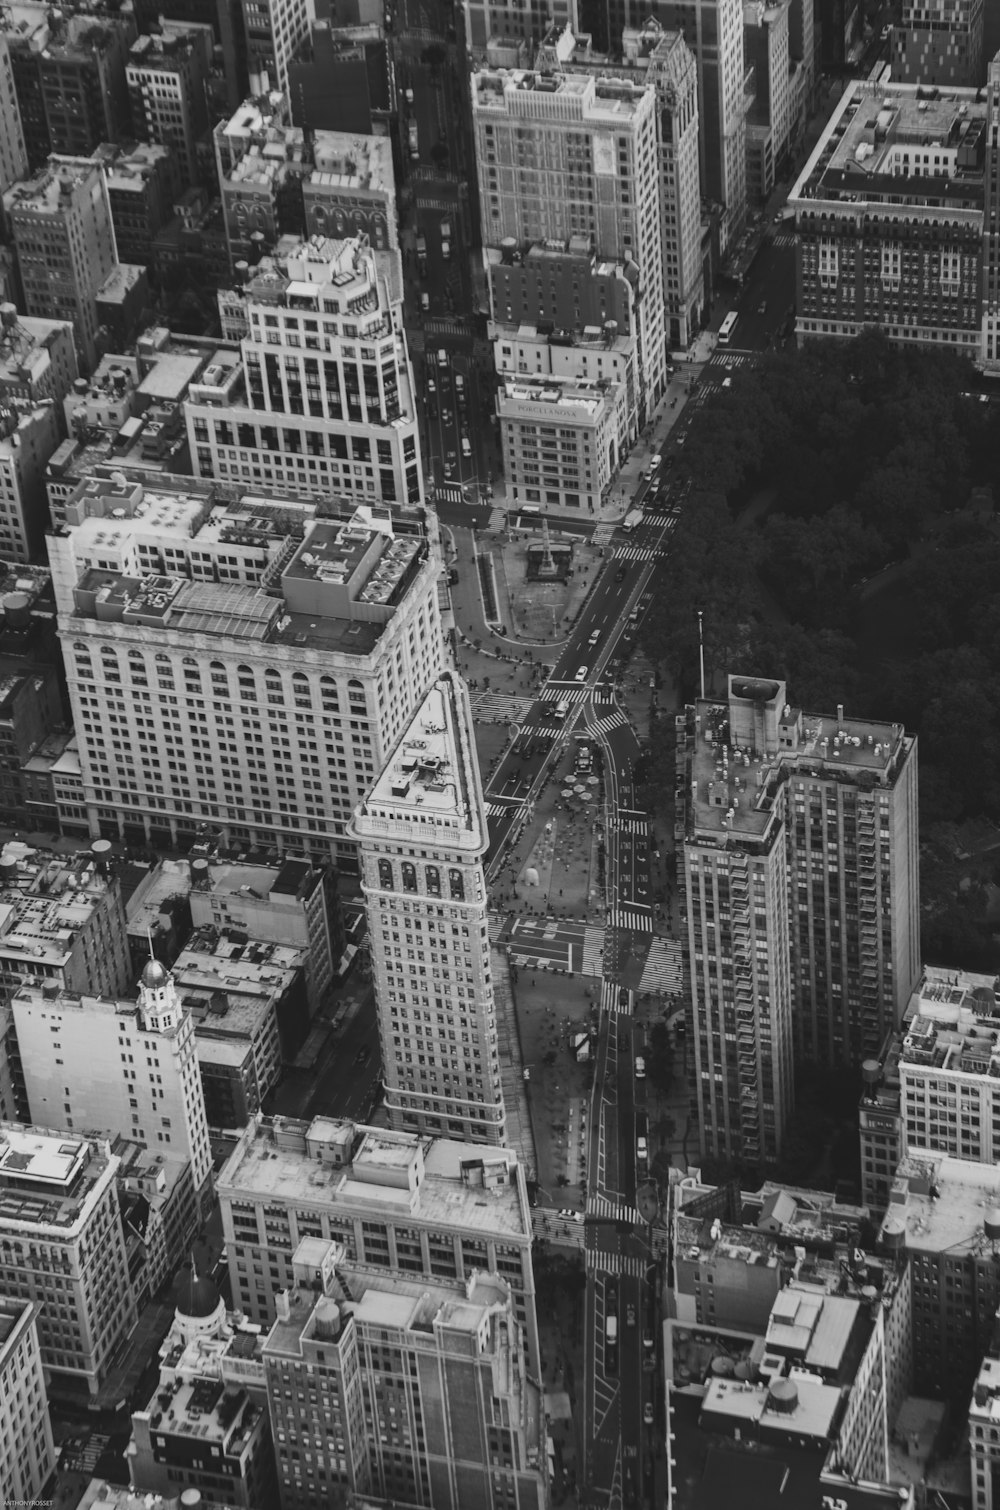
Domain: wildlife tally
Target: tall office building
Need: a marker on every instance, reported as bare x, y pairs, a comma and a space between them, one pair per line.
13, 153
69, 71
936, 1084
409, 1206
27, 1453
126, 1068
244, 665
301, 404
990, 338
167, 77
62, 1246
567, 155
61, 224
662, 58
939, 42
889, 215
422, 838
407, 1392
766, 50
944, 1216
272, 30
713, 30
801, 886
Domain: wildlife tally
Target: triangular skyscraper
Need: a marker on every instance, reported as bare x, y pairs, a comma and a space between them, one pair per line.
422, 839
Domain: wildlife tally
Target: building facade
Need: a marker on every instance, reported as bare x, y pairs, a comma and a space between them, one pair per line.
940, 43
801, 883
408, 1392
128, 1068
713, 30
936, 1085
301, 405
889, 216
566, 155
60, 221
62, 1247
562, 439
272, 31
263, 663
167, 76
27, 1453
64, 927
13, 152
428, 925
412, 1207
206, 1428
943, 1217
991, 226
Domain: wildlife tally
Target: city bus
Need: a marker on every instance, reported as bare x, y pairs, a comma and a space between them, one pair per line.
726, 328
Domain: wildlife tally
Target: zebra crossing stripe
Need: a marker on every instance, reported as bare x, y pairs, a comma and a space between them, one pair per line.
637, 553
558, 694
636, 826
601, 1262
627, 917
664, 967
605, 1209
609, 721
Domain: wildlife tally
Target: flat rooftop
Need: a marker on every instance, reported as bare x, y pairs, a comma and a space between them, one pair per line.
517, 91
808, 1409
47, 1178
263, 1168
883, 133
349, 160
578, 398
429, 776
942, 1205
229, 988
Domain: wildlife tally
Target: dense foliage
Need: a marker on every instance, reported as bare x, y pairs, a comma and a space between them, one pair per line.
857, 457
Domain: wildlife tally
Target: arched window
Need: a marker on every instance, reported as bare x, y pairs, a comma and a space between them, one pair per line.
433, 876
385, 874
457, 885
409, 871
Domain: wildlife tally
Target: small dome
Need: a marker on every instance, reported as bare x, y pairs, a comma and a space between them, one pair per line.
154, 975
197, 1296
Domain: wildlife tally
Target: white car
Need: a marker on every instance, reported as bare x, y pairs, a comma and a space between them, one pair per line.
647, 1413
581, 675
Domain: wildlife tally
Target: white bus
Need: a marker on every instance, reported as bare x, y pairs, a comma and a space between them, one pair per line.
726, 328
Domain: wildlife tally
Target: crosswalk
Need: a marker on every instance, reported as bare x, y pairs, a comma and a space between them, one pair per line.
637, 553
500, 809
664, 967
599, 1262
607, 1210
639, 919
636, 826
609, 721
449, 492
442, 325
784, 238
614, 998
497, 924
560, 694
592, 962
499, 707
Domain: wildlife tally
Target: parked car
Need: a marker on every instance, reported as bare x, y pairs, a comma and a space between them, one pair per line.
581, 675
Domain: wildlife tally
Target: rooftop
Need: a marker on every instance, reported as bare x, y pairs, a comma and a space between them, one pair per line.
560, 96
220, 1415
102, 1495
45, 899
304, 580
574, 398
49, 1179
431, 777
460, 1187
52, 190
230, 988
742, 750
887, 139
805, 1407
352, 161
25, 345
942, 1205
